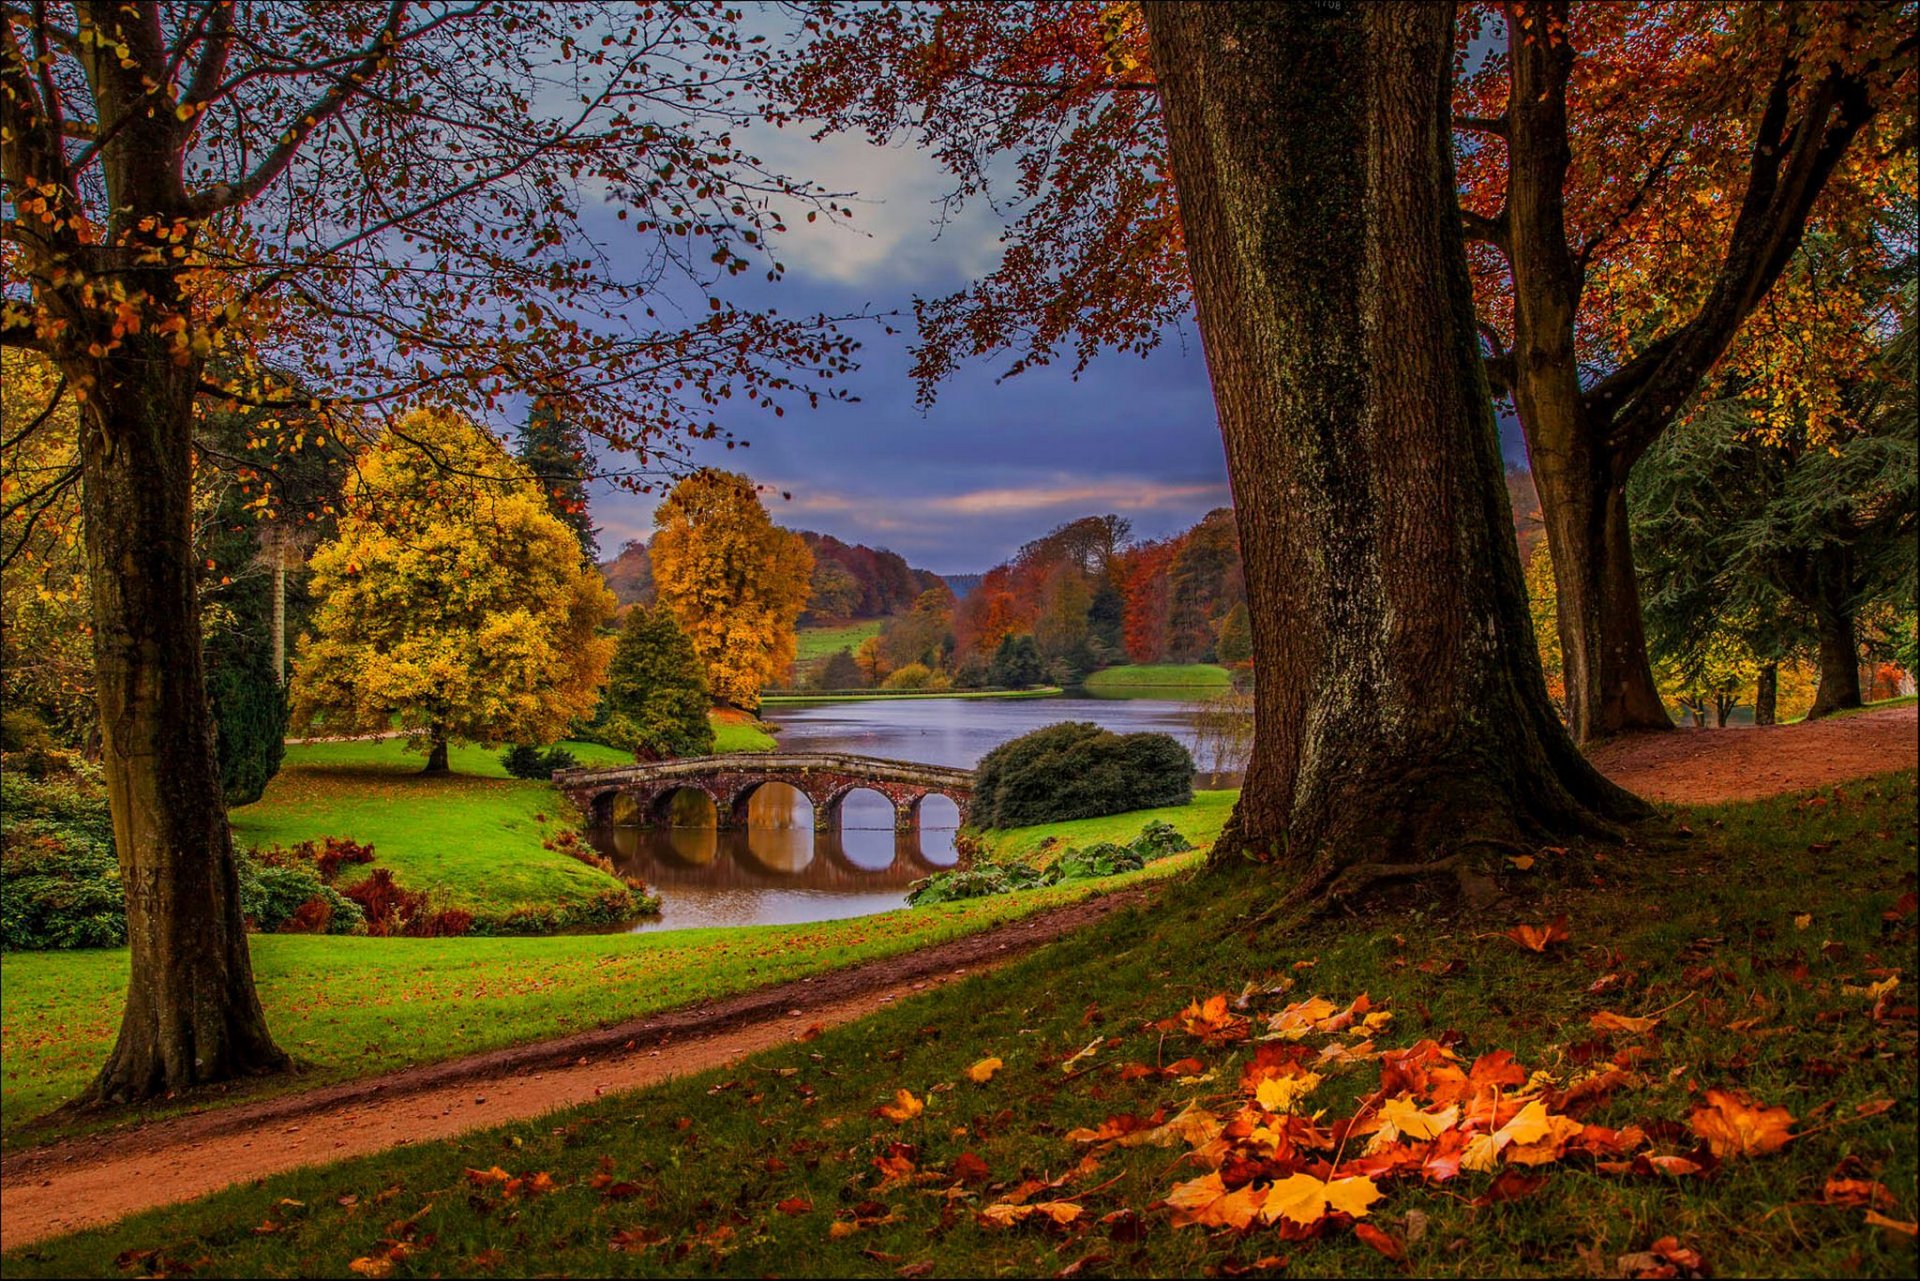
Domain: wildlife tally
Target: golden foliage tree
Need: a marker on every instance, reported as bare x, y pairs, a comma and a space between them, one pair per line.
453, 603
736, 581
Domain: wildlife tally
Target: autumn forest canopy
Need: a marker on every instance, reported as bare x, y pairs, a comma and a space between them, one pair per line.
408, 407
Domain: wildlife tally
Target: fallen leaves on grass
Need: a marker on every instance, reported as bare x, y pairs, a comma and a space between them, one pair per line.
1538, 938
1736, 1125
903, 1108
982, 1072
1608, 1021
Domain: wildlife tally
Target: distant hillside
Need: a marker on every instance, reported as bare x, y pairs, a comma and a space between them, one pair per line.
961, 584
850, 580
630, 574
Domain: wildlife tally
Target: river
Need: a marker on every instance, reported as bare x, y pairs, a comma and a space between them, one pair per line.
779, 871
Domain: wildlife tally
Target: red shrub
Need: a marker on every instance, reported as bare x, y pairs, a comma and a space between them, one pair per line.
311, 917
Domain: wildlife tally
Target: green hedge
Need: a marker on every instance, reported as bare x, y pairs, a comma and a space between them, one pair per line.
1078, 770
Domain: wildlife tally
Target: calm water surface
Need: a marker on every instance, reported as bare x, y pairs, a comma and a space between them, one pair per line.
778, 871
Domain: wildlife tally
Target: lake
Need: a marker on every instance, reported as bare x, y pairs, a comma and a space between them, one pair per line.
778, 871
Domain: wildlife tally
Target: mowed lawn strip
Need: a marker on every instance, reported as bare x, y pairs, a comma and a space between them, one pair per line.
811, 643
1159, 680
352, 1007
748, 1168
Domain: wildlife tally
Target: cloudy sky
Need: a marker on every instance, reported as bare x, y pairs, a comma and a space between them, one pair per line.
993, 463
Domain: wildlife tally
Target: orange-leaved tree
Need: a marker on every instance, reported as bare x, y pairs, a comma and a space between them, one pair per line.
736, 581
326, 207
1631, 215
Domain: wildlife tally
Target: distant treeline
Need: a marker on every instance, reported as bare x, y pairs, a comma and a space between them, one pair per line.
850, 580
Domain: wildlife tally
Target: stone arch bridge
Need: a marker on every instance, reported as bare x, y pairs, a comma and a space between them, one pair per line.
824, 778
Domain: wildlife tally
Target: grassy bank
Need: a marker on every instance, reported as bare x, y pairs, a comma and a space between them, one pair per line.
354, 1007
1159, 680
1745, 959
471, 838
739, 732
814, 643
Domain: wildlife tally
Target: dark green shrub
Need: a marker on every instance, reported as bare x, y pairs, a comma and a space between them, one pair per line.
1103, 859
277, 897
1078, 770
526, 761
1016, 663
656, 701
1157, 840
250, 722
59, 880
975, 882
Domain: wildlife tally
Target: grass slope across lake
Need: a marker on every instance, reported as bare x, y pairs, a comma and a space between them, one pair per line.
812, 643
352, 1007
784, 1157
1159, 680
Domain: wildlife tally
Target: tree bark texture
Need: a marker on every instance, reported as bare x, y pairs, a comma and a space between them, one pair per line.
1833, 620
437, 757
1401, 713
1579, 473
1766, 695
192, 1016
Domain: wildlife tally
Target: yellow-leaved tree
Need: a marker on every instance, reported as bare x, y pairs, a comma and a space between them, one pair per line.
453, 604
736, 581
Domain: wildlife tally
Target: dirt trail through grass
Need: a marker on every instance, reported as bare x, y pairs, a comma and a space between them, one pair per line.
106, 1176
1710, 766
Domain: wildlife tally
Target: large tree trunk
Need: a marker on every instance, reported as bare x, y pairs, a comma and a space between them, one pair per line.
1582, 482
1401, 716
1603, 640
1766, 695
1839, 644
437, 755
192, 1016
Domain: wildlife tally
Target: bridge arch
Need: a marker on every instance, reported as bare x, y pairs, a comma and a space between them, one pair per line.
738, 804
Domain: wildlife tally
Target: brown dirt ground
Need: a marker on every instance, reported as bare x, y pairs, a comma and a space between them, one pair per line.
1707, 766
99, 1178
103, 1177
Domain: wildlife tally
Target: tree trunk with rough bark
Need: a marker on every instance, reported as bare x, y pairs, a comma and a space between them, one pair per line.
1839, 686
1402, 720
437, 756
1581, 479
1766, 695
192, 1016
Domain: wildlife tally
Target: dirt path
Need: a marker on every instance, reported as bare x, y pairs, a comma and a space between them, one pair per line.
1707, 766
102, 1177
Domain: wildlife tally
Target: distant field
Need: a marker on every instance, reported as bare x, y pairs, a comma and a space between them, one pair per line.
816, 643
1159, 680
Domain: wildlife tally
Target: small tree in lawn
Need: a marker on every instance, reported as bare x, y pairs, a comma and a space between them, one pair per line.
453, 604
657, 689
735, 581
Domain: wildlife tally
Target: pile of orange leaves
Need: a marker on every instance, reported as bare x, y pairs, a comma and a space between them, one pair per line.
1277, 1162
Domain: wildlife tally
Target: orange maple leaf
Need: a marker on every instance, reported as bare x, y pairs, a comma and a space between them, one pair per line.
1538, 938
1735, 1124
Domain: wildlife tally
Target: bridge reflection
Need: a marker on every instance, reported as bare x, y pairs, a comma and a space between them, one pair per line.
778, 868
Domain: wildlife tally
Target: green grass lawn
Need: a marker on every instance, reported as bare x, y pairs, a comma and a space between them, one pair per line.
471, 838
1744, 939
1200, 822
1905, 700
740, 736
1159, 680
354, 1007
814, 643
